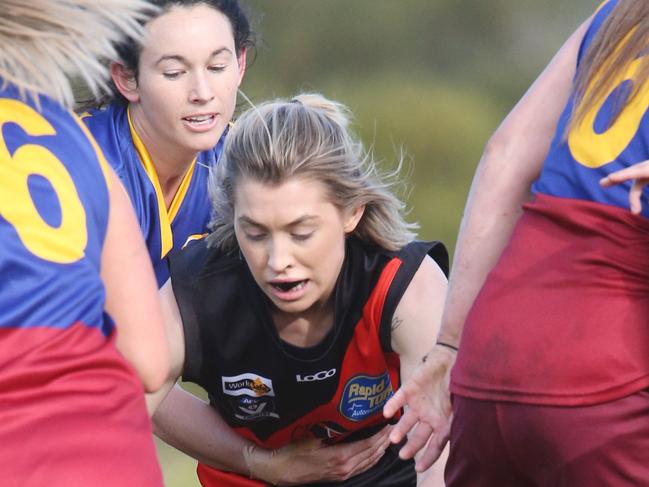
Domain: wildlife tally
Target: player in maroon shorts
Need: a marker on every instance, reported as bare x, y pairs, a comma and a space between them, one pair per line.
551, 300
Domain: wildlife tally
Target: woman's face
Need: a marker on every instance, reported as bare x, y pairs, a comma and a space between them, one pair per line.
293, 239
188, 79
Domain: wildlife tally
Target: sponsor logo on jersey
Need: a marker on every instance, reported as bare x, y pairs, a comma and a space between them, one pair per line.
364, 396
322, 375
247, 384
248, 408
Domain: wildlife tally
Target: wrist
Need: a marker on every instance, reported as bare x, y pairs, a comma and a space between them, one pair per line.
447, 344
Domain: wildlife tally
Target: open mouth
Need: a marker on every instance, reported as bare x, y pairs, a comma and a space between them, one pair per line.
200, 120
288, 286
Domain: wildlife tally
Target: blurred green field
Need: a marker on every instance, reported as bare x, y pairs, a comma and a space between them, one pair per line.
431, 77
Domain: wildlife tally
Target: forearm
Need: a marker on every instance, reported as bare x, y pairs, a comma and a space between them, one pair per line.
195, 428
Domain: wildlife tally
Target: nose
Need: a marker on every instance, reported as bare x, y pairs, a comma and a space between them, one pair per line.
201, 90
280, 257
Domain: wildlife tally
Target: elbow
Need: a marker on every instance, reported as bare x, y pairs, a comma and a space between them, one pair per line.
514, 156
155, 373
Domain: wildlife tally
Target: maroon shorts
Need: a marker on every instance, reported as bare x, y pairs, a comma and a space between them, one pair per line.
507, 444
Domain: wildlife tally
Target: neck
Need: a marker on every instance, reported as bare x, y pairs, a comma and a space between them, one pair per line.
307, 328
169, 161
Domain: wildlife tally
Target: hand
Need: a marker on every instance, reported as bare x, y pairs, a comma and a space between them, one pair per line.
427, 418
311, 461
639, 173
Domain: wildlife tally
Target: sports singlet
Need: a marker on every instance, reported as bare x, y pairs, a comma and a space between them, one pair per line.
72, 409
189, 212
274, 393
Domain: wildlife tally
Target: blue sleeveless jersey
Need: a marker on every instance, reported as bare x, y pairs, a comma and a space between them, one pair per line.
189, 212
53, 217
600, 145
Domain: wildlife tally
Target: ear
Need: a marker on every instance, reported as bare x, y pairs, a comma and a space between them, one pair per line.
125, 81
242, 65
352, 218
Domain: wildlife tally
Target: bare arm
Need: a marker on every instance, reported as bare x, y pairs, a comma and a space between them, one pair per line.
510, 163
415, 325
132, 293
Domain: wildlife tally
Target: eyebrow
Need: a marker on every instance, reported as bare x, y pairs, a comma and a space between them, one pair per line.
297, 221
182, 59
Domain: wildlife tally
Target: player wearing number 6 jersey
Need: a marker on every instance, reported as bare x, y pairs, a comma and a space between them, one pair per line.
551, 379
71, 407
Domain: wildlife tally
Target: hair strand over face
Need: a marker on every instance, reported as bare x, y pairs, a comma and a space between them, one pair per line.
307, 137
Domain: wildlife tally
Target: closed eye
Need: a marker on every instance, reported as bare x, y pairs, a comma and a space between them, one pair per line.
172, 74
255, 237
302, 236
216, 69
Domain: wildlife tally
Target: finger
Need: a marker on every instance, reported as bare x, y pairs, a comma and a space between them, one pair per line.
640, 170
434, 449
635, 194
371, 460
403, 426
362, 447
362, 460
416, 441
394, 404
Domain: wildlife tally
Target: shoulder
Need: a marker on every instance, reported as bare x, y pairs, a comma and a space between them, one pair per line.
425, 272
109, 127
416, 251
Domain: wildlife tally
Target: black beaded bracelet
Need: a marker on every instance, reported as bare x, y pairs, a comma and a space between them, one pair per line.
447, 345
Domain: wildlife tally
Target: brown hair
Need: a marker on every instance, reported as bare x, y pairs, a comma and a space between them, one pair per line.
620, 40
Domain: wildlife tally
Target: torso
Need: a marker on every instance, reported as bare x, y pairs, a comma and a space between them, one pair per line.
561, 319
272, 392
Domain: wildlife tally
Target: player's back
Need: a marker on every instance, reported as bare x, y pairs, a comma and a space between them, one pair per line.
70, 404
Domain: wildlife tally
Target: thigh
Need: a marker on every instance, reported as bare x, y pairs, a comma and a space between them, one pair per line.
479, 456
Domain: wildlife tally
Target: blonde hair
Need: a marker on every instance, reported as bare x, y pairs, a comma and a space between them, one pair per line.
46, 42
622, 37
306, 137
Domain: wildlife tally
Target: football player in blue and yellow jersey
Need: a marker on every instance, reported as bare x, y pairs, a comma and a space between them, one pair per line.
163, 133
550, 292
71, 262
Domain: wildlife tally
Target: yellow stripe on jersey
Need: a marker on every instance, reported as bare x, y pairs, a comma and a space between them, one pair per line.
165, 216
179, 197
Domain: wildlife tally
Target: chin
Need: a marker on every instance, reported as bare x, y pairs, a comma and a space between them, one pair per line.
292, 307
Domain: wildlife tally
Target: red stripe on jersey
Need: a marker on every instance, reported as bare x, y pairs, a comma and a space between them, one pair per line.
365, 354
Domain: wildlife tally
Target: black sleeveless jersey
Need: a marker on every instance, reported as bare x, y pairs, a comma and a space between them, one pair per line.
272, 392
